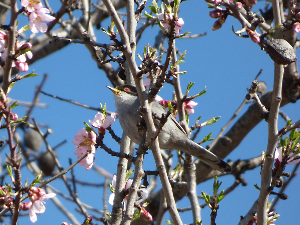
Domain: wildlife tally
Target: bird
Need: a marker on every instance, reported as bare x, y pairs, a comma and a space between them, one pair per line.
171, 136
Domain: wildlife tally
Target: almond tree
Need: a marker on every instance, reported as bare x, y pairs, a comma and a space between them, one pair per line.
32, 31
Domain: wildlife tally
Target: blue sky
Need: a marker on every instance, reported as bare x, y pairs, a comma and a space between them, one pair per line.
220, 61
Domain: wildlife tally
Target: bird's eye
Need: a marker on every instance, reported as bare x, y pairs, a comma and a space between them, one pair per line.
127, 89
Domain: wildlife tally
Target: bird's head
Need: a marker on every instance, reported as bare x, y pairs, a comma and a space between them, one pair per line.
118, 91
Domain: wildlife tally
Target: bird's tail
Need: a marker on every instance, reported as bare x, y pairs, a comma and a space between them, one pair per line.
207, 157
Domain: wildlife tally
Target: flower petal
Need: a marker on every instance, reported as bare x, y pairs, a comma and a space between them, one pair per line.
111, 198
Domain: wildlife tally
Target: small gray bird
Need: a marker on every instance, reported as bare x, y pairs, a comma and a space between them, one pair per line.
172, 135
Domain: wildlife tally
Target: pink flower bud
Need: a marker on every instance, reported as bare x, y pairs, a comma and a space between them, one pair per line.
8, 199
217, 2
146, 215
3, 35
255, 37
34, 190
22, 66
297, 27
189, 106
41, 192
25, 206
239, 5
25, 46
13, 116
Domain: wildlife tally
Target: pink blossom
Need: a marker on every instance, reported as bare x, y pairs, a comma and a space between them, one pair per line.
161, 101
5, 198
24, 206
22, 66
169, 17
102, 122
217, 2
20, 61
128, 184
37, 196
147, 82
3, 38
189, 106
37, 15
293, 158
272, 216
31, 5
179, 24
239, 5
85, 142
297, 27
26, 46
146, 215
37, 19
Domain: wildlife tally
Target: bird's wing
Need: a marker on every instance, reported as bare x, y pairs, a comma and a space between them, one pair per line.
177, 124
159, 109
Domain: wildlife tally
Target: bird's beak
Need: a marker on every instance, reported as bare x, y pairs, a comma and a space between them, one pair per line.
114, 90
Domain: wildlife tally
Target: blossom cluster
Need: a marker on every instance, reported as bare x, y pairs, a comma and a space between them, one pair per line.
221, 14
188, 105
166, 20
141, 197
37, 15
85, 140
5, 198
20, 58
36, 205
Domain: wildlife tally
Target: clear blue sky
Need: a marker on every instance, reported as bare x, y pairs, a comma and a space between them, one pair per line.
219, 61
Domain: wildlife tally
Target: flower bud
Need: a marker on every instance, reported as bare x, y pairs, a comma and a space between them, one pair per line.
25, 206
216, 13
13, 116
146, 215
255, 37
297, 27
217, 2
218, 24
22, 66
25, 46
239, 5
